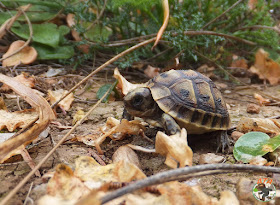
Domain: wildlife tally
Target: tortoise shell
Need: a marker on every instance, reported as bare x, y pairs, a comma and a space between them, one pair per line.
192, 99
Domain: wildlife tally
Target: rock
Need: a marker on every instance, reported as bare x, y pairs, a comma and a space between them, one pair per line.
236, 135
210, 158
253, 108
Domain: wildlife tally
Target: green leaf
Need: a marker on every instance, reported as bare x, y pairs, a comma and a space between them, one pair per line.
4, 16
50, 4
254, 144
48, 53
47, 33
98, 33
103, 89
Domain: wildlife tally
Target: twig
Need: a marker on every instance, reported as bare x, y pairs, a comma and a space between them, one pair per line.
105, 65
96, 157
226, 11
172, 175
220, 67
260, 27
30, 174
27, 42
194, 33
27, 196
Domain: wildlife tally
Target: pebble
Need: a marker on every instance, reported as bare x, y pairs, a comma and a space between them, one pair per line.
235, 135
253, 108
210, 158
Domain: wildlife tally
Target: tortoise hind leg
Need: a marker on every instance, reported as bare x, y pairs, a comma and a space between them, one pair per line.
169, 124
223, 141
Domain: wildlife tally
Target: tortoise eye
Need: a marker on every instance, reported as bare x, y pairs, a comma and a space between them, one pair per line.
137, 100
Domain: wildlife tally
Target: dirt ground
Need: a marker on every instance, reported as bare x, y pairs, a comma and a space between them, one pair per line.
12, 172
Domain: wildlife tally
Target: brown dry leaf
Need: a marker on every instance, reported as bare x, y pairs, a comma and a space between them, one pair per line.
269, 126
261, 100
123, 84
95, 175
70, 19
2, 106
238, 62
125, 153
65, 104
151, 71
39, 104
26, 56
117, 130
252, 4
228, 197
23, 78
175, 148
206, 70
266, 68
78, 116
165, 22
9, 22
17, 119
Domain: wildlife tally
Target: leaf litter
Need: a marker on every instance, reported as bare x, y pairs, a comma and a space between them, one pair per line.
150, 163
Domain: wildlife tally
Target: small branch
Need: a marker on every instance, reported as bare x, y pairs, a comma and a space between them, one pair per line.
260, 27
175, 174
29, 39
194, 33
105, 65
226, 11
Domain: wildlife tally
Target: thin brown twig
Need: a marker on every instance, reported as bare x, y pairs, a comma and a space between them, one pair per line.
105, 65
172, 175
222, 14
212, 33
260, 27
30, 174
29, 39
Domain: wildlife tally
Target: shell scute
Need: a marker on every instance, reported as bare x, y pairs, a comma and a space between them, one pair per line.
192, 99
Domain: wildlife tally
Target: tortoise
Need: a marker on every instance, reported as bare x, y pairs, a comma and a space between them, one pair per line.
180, 99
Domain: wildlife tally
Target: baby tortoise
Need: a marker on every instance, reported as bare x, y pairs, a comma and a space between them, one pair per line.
180, 98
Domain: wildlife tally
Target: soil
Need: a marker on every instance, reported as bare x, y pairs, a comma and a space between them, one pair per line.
13, 171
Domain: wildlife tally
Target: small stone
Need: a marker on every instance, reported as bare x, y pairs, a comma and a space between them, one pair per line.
227, 91
258, 160
210, 158
253, 108
235, 135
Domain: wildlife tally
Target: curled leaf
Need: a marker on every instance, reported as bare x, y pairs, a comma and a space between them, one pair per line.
175, 148
26, 56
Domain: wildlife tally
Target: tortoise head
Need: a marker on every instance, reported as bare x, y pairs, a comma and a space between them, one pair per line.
140, 103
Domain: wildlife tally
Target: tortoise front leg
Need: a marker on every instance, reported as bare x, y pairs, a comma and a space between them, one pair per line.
169, 124
126, 115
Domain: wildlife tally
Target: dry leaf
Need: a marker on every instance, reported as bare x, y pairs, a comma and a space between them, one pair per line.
2, 105
65, 104
23, 78
123, 84
258, 160
269, 126
151, 71
206, 70
266, 68
117, 130
78, 116
39, 104
65, 185
26, 56
125, 153
228, 197
261, 100
17, 119
175, 148
238, 62
70, 19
